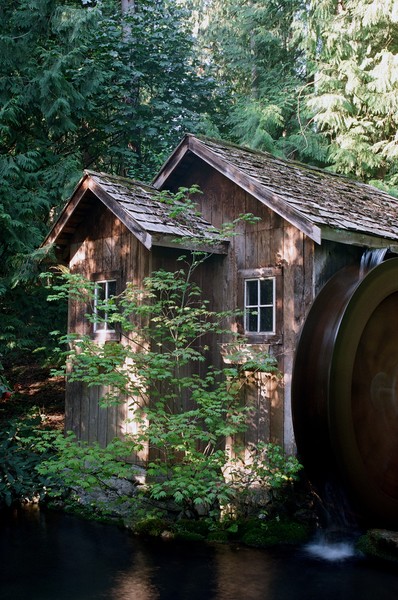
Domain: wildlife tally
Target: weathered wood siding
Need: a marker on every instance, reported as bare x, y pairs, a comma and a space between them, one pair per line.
330, 257
269, 244
101, 247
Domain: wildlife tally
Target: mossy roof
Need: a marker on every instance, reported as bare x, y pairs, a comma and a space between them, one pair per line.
148, 214
317, 201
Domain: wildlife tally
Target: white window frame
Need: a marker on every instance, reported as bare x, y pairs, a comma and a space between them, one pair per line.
258, 306
104, 321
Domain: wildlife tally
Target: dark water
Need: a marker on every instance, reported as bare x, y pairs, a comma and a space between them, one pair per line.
56, 557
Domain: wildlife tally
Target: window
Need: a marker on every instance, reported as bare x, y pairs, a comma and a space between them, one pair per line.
260, 305
103, 291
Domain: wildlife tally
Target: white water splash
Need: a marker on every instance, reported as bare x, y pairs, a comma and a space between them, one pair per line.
331, 551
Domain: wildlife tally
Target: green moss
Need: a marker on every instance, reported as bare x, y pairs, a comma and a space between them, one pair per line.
273, 532
199, 526
220, 536
253, 532
189, 536
86, 512
151, 526
191, 529
373, 547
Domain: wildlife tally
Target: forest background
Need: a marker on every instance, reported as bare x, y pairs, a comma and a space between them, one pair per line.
112, 85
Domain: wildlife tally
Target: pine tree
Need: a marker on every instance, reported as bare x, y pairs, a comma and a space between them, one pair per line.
354, 53
257, 47
83, 85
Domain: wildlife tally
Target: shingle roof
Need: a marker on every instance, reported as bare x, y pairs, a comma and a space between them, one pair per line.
144, 204
142, 209
322, 200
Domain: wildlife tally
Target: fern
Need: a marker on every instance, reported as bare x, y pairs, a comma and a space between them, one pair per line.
354, 101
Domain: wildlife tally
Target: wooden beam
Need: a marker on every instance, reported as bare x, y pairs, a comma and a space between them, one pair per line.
143, 236
170, 164
190, 244
355, 238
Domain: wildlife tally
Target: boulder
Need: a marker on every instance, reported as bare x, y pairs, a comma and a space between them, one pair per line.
381, 544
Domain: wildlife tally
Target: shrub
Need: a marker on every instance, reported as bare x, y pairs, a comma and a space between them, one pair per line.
23, 447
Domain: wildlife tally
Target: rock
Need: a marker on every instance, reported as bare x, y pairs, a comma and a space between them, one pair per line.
167, 535
115, 496
381, 544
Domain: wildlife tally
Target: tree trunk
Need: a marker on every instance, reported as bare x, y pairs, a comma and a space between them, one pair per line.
128, 6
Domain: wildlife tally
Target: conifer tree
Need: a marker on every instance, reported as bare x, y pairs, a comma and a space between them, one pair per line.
353, 47
257, 47
311, 80
77, 91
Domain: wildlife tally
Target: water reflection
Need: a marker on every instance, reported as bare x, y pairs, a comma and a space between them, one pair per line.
57, 557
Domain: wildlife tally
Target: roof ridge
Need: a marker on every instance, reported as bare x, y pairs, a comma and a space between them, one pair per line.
122, 178
289, 162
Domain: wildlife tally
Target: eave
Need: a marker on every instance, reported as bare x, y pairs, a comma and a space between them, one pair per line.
62, 228
355, 238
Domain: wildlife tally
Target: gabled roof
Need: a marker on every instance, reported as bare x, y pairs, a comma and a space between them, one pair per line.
321, 204
142, 209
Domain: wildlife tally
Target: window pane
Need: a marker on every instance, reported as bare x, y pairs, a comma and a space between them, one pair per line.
100, 292
251, 293
111, 289
252, 320
103, 291
99, 298
260, 305
266, 291
266, 319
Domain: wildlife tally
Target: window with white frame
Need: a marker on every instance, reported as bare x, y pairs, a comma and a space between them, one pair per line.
260, 311
104, 290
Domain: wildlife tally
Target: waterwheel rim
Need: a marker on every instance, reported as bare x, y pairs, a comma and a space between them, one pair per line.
352, 335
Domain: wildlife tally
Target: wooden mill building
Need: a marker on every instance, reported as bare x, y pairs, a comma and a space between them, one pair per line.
311, 224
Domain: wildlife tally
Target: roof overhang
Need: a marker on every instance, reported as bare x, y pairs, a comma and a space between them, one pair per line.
356, 238
62, 227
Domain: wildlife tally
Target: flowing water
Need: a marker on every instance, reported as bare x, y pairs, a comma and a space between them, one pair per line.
47, 556
370, 259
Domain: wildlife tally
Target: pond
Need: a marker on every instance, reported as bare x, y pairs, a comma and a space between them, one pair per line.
51, 556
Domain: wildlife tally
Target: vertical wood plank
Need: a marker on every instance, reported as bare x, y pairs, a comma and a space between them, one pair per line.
93, 414
84, 413
264, 407
116, 252
107, 252
73, 399
251, 399
111, 430
102, 417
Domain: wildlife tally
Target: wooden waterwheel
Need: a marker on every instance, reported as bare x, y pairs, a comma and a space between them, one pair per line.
345, 388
